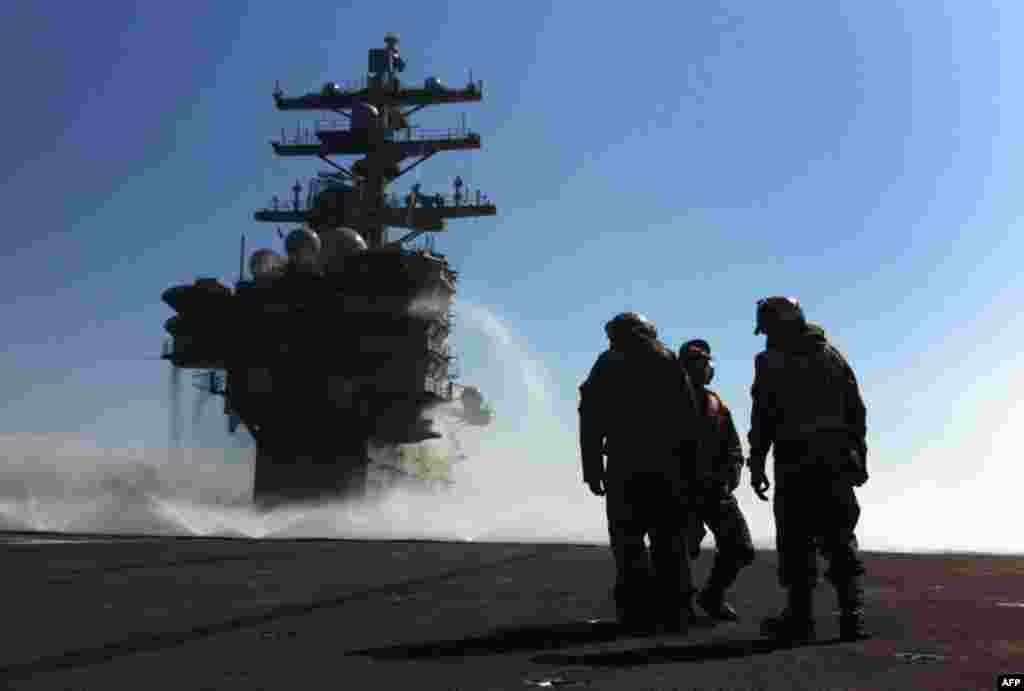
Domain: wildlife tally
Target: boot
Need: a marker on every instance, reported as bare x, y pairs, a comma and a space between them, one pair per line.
852, 628
713, 602
712, 597
795, 624
632, 613
691, 614
674, 612
676, 621
850, 594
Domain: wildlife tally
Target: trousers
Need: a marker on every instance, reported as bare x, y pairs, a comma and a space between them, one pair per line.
639, 505
816, 510
720, 512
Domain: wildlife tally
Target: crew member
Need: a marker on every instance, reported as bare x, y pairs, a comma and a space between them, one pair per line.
636, 407
717, 470
807, 404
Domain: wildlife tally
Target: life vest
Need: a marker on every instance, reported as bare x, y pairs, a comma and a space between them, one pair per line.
712, 427
715, 412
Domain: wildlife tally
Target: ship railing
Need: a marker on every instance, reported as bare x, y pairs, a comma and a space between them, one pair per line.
393, 200
306, 136
345, 87
403, 134
415, 134
278, 204
473, 197
301, 136
357, 85
333, 125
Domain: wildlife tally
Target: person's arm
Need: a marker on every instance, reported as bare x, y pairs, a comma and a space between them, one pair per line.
763, 416
856, 413
855, 417
730, 453
763, 423
592, 427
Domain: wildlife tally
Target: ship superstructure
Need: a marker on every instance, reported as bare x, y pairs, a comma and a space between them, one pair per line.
345, 339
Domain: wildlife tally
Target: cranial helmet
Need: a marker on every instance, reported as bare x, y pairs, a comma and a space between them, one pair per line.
775, 311
630, 322
698, 349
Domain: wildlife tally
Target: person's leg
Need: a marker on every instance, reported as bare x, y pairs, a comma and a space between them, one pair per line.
734, 550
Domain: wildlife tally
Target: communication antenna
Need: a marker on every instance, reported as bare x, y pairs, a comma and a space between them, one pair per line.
241, 261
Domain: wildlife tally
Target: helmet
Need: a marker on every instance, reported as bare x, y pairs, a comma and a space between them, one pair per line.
630, 322
777, 310
697, 348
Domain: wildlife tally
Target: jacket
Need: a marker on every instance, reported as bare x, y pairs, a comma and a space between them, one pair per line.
720, 456
804, 388
631, 406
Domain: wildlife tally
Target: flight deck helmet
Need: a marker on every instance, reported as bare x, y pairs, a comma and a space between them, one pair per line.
776, 311
630, 322
695, 356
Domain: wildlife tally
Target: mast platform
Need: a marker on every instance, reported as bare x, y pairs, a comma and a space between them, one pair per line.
426, 218
403, 144
340, 100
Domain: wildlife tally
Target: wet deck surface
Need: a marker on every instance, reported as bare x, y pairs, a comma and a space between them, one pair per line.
190, 613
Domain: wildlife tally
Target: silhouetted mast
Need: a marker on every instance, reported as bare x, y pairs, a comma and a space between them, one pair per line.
344, 339
377, 127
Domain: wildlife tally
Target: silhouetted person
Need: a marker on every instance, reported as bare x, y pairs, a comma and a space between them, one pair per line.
807, 404
717, 475
635, 408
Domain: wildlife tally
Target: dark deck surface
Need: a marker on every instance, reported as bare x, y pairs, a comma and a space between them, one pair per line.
191, 613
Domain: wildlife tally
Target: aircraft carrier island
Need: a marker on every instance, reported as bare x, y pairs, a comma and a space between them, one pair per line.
343, 340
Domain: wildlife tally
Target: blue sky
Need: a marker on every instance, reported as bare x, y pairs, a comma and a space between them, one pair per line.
680, 161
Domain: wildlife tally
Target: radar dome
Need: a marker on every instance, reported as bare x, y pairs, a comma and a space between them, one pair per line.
339, 243
303, 247
266, 264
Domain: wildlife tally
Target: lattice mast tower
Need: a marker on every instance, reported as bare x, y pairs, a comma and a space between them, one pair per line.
376, 126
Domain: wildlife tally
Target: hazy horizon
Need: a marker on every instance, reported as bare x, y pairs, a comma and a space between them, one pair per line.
66, 484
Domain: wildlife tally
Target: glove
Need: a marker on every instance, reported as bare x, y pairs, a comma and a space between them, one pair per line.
697, 536
758, 478
854, 468
593, 471
732, 479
